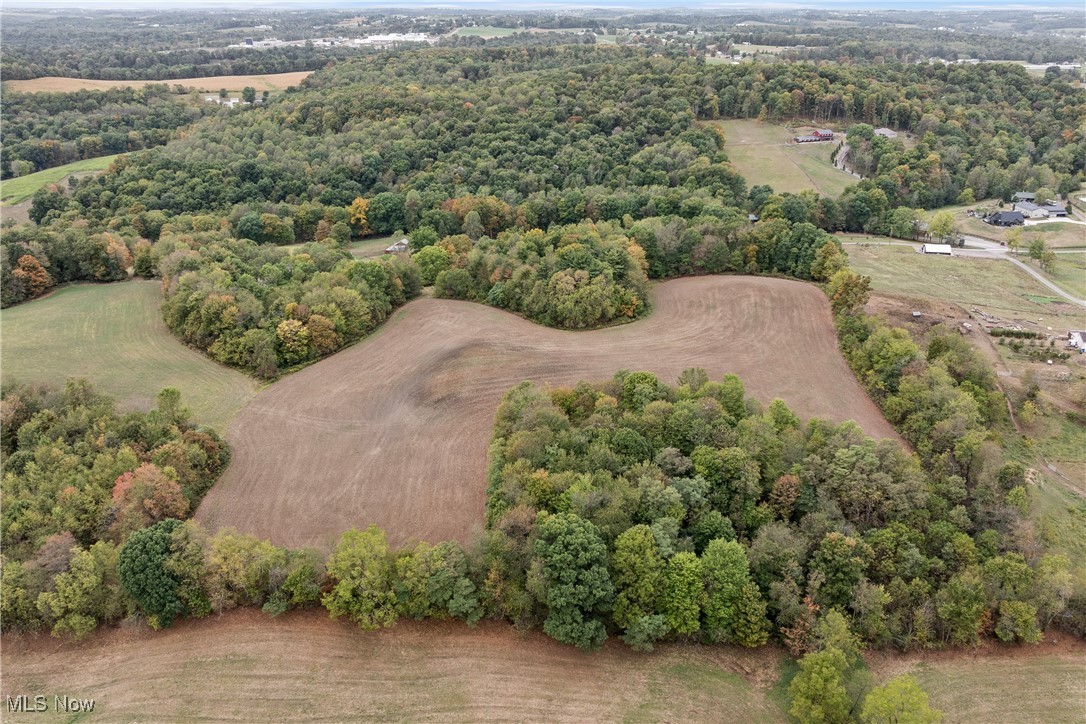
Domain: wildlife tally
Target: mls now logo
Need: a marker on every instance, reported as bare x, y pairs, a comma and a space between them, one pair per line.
26, 704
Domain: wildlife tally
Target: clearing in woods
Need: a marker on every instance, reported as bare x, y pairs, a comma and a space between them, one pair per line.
17, 190
244, 666
763, 154
113, 335
395, 430
209, 84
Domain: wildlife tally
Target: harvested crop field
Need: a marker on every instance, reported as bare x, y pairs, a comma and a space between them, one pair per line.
210, 84
395, 430
244, 666
303, 666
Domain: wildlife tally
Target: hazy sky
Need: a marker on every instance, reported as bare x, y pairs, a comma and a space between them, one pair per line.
499, 5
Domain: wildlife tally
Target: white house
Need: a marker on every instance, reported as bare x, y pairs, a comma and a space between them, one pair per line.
943, 249
1076, 339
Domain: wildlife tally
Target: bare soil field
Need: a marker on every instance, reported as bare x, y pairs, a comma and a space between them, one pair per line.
247, 667
244, 666
212, 84
395, 430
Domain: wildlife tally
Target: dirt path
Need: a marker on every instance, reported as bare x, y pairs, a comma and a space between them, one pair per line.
395, 430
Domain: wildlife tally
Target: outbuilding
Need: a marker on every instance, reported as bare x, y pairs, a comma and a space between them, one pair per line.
1031, 210
398, 248
943, 249
822, 134
1076, 339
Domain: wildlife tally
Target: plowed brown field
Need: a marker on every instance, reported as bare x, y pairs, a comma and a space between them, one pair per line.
394, 430
245, 667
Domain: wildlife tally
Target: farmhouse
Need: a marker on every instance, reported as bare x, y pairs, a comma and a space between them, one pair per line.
943, 249
1076, 339
398, 248
821, 134
1006, 218
886, 132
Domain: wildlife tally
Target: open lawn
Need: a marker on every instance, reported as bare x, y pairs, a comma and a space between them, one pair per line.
265, 82
364, 248
113, 335
17, 190
994, 285
761, 152
245, 666
350, 426
1069, 272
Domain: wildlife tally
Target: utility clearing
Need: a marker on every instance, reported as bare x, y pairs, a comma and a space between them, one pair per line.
395, 430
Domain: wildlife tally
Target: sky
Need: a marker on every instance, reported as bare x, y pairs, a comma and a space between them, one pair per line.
506, 5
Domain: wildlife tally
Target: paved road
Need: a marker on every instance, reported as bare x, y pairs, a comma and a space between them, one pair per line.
992, 249
984, 249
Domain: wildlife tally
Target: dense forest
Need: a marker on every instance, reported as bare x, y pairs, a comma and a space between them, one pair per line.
33, 259
160, 46
42, 130
538, 125
262, 308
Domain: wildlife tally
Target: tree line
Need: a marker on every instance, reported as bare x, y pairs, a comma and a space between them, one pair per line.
42, 130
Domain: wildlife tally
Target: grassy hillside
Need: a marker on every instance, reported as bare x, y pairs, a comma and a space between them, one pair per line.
16, 190
113, 335
991, 284
761, 152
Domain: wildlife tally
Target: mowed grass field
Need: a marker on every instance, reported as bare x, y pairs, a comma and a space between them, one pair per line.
761, 152
994, 285
265, 82
363, 248
16, 190
113, 335
245, 666
1069, 272
351, 425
